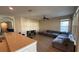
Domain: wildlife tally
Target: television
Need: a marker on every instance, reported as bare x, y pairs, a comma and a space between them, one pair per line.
10, 30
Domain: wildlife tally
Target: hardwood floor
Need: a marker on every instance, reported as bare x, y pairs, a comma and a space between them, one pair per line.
45, 44
3, 46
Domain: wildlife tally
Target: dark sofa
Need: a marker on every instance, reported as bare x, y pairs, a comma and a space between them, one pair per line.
52, 33
62, 40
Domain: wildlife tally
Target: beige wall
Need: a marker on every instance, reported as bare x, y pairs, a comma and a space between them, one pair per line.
50, 25
75, 29
24, 24
75, 25
78, 33
29, 24
17, 24
53, 24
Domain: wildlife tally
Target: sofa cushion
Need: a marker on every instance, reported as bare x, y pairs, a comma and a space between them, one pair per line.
60, 38
71, 37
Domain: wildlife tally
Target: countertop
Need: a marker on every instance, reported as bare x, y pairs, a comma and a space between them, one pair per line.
17, 41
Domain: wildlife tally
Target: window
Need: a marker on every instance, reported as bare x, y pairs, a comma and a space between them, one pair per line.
64, 25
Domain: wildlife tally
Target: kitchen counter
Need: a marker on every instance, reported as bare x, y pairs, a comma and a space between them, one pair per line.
17, 42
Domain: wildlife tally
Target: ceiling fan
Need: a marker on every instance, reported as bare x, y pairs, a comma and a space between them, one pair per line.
45, 18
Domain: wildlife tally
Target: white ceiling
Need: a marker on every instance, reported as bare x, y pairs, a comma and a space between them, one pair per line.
50, 11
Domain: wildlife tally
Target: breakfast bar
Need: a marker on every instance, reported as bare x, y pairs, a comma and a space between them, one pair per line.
18, 43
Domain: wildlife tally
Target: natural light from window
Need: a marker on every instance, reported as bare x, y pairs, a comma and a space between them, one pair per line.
64, 25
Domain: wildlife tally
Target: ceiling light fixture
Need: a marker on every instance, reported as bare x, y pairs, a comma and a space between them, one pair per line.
11, 8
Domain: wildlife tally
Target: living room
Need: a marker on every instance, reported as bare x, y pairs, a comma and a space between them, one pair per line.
44, 24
